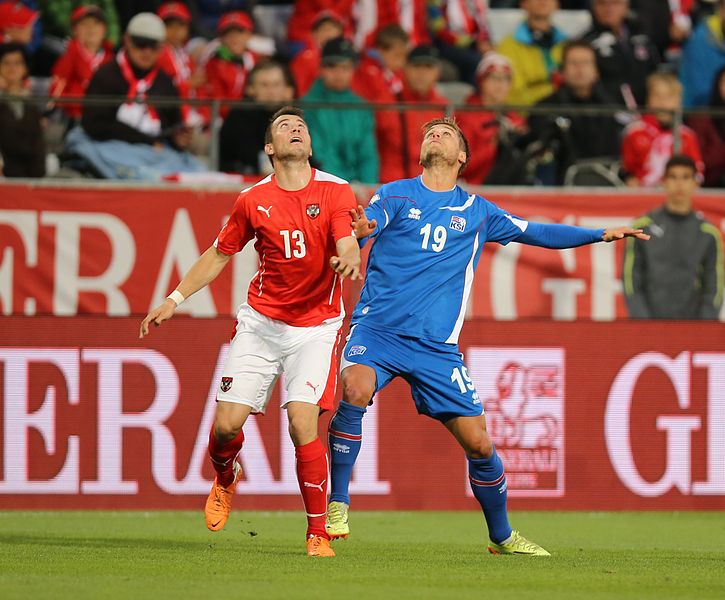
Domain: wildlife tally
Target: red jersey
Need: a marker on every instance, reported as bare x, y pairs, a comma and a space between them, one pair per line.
295, 238
305, 68
73, 70
226, 76
483, 132
647, 146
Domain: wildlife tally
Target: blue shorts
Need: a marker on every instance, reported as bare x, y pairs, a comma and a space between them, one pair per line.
438, 379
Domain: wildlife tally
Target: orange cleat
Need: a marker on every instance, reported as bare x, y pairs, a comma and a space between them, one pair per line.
219, 502
319, 546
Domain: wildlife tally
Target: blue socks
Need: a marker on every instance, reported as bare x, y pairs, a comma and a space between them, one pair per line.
345, 437
488, 483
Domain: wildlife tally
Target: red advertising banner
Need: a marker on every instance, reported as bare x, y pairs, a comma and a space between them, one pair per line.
585, 415
119, 251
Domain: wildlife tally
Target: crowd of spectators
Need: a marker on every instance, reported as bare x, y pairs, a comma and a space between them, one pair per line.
607, 94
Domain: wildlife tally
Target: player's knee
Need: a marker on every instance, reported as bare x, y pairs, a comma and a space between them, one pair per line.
226, 429
356, 391
302, 429
480, 448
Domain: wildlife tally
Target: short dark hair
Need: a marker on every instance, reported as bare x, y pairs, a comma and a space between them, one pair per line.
388, 36
453, 124
681, 160
285, 110
572, 45
12, 48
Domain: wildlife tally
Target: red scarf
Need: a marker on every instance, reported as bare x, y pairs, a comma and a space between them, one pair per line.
137, 88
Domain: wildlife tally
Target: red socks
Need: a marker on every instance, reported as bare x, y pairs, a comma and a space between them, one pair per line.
222, 456
312, 474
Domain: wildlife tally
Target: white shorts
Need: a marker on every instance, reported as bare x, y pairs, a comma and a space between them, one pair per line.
263, 348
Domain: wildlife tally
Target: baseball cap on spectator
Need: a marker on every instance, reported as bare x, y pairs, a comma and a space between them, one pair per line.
336, 51
146, 29
424, 55
87, 10
169, 11
236, 19
328, 15
490, 63
16, 14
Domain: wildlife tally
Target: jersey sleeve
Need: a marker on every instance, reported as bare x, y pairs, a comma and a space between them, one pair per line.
341, 221
237, 231
503, 227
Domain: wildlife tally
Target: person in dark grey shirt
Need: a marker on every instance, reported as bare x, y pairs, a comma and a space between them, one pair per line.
678, 273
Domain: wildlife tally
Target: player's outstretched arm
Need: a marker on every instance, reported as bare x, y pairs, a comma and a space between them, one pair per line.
360, 224
347, 261
202, 273
619, 233
558, 236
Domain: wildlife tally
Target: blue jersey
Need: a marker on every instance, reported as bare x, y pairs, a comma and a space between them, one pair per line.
427, 246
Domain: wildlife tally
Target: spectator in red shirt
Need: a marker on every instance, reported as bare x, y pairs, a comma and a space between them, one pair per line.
372, 15
488, 130
305, 66
648, 142
229, 66
87, 50
400, 150
379, 79
174, 59
306, 13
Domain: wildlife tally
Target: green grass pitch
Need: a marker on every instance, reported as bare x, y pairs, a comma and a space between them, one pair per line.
418, 555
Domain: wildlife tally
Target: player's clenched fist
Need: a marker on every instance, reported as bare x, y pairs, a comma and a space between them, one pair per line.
345, 267
163, 312
360, 224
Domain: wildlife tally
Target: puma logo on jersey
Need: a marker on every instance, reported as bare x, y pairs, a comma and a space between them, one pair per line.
314, 387
264, 210
315, 485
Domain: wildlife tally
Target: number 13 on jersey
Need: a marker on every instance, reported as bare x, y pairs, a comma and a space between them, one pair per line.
296, 237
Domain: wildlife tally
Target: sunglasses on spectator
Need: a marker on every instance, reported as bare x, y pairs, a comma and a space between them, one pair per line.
143, 43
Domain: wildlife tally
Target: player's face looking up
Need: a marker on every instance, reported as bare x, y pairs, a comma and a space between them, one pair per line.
290, 139
442, 147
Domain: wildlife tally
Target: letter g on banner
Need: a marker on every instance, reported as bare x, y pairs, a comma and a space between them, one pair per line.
679, 428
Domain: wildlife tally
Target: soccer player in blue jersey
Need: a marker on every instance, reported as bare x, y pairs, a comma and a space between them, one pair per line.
429, 234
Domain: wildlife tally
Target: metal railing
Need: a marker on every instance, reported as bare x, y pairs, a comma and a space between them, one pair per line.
47, 103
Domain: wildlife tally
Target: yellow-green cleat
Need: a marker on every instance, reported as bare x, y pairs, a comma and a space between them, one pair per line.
336, 523
516, 544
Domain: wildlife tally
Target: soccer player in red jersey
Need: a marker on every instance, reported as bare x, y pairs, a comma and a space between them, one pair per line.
291, 320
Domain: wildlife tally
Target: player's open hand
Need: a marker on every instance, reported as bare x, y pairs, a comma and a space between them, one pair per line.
163, 312
360, 224
618, 233
345, 267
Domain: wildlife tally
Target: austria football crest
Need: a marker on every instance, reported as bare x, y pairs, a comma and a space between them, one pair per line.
226, 383
313, 210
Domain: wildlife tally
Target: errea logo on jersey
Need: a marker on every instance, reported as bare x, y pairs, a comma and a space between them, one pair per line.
414, 213
374, 199
356, 350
